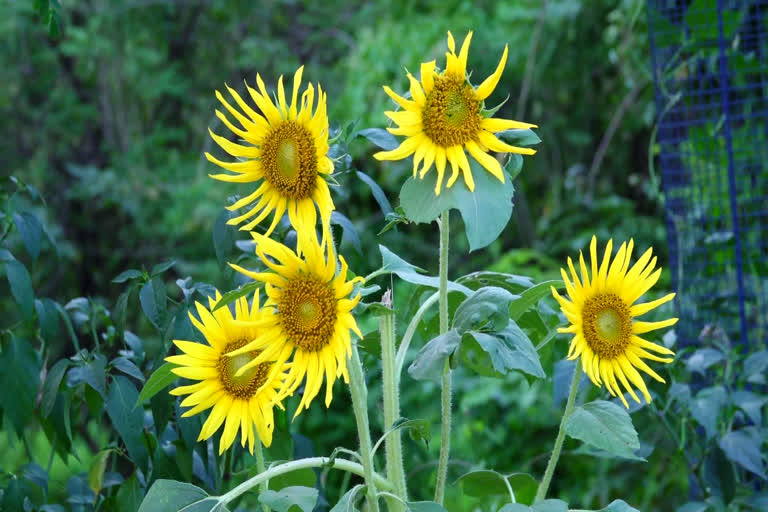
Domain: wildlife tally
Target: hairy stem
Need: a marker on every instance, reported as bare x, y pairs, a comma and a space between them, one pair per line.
544, 485
445, 388
391, 390
261, 467
359, 393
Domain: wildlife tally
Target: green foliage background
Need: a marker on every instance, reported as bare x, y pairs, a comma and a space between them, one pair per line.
106, 106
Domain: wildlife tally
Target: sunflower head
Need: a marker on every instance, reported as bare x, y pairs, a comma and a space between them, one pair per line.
240, 400
311, 302
602, 312
445, 119
284, 148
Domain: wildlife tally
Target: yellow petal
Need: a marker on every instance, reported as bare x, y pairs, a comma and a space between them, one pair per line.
489, 84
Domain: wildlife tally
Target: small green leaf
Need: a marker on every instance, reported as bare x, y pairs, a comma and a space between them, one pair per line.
121, 311
513, 165
702, 359
93, 372
171, 496
391, 262
430, 360
380, 137
127, 366
485, 211
418, 429
347, 502
162, 267
5, 255
21, 287
31, 232
97, 469
223, 238
48, 318
378, 194
497, 354
129, 495
524, 138
510, 282
232, 295
128, 421
126, 275
484, 482
51, 386
159, 380
153, 302
304, 498
488, 304
604, 425
531, 296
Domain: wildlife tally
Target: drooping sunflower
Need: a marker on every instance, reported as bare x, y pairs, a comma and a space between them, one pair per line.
240, 400
445, 117
311, 301
602, 313
287, 151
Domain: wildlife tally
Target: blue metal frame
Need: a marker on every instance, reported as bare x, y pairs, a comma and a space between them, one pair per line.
710, 66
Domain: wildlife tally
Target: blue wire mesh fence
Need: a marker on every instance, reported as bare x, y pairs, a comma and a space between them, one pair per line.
710, 64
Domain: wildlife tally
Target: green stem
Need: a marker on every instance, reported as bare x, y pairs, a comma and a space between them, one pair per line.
260, 468
391, 391
359, 393
544, 485
295, 465
445, 389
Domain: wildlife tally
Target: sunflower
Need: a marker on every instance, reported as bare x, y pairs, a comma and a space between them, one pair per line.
287, 151
312, 316
445, 117
602, 314
243, 399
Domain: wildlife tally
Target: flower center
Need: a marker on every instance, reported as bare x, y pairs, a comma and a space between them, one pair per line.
607, 325
452, 114
307, 309
247, 384
289, 160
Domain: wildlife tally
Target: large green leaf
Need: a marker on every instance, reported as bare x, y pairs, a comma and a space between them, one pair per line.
743, 448
497, 354
128, 421
159, 380
171, 496
223, 237
19, 382
305, 477
425, 506
153, 302
21, 287
486, 305
485, 211
604, 425
707, 406
618, 506
430, 361
484, 482
288, 498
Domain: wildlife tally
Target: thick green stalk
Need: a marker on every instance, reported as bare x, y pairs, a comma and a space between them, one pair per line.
295, 465
445, 388
544, 485
391, 390
359, 393
261, 467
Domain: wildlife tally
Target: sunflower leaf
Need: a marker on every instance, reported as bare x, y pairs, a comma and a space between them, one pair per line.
159, 380
604, 425
233, 295
485, 211
430, 360
380, 137
282, 501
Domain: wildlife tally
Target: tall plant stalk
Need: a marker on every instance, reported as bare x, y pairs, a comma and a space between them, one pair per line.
391, 391
541, 493
445, 388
